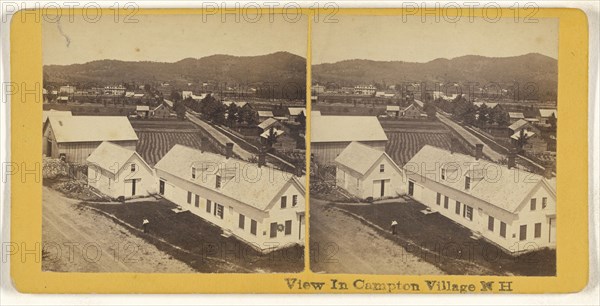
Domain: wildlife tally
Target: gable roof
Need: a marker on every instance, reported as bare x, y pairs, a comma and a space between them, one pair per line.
346, 128
239, 104
546, 113
91, 128
503, 187
360, 157
392, 108
142, 108
518, 124
52, 112
108, 154
267, 123
516, 115
412, 105
295, 111
257, 190
265, 113
528, 134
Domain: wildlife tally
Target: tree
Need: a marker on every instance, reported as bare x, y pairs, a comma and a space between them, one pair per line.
232, 114
521, 141
430, 110
175, 96
147, 87
272, 137
301, 119
552, 121
484, 115
179, 109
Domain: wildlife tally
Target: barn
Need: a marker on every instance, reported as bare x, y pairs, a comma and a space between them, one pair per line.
117, 171
509, 207
75, 138
366, 172
262, 206
330, 135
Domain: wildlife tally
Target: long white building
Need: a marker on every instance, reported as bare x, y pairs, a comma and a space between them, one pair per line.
509, 207
262, 206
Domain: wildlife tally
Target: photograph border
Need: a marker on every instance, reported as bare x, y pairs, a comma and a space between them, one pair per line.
26, 191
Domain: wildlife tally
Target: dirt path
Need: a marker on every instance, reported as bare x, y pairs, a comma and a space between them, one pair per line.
78, 240
342, 244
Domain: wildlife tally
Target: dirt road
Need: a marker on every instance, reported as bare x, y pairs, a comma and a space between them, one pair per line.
342, 244
76, 239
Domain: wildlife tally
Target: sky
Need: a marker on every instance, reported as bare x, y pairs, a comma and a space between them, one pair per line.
168, 38
388, 38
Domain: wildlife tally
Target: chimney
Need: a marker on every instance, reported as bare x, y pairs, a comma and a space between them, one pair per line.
548, 170
228, 149
478, 151
203, 143
261, 159
511, 160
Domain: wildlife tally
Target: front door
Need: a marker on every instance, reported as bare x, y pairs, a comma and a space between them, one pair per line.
273, 230
161, 187
133, 187
382, 188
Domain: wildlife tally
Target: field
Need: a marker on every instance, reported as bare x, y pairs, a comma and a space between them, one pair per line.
157, 137
402, 146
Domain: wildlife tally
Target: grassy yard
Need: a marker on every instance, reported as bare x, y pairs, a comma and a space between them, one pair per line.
448, 245
198, 243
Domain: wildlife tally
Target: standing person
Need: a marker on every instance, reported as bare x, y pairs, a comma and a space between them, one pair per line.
145, 225
394, 226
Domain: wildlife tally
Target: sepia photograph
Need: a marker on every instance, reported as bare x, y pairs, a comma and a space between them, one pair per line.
433, 146
174, 144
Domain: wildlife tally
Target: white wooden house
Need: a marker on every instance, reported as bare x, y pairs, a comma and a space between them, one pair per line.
117, 171
262, 206
366, 172
512, 208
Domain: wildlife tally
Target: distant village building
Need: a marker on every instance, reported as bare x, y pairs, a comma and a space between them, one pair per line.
318, 89
266, 210
367, 90
367, 172
117, 171
264, 115
330, 135
161, 111
411, 112
117, 90
75, 138
392, 111
534, 144
143, 111
68, 89
515, 116
294, 113
512, 211
545, 114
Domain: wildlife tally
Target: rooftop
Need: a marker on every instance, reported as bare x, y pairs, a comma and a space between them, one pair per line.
91, 128
346, 128
359, 157
108, 154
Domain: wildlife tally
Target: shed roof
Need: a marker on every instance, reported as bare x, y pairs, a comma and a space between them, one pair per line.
142, 108
500, 187
516, 115
258, 191
91, 128
346, 128
267, 123
295, 111
545, 113
265, 113
518, 124
392, 108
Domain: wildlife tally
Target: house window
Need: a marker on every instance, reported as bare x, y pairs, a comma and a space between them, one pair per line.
208, 205
538, 230
218, 182
443, 174
491, 223
132, 167
468, 212
523, 232
457, 209
438, 200
283, 201
288, 227
446, 202
295, 200
193, 173
242, 221
533, 204
218, 210
197, 201
502, 229
381, 168
189, 197
253, 227
544, 202
467, 183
